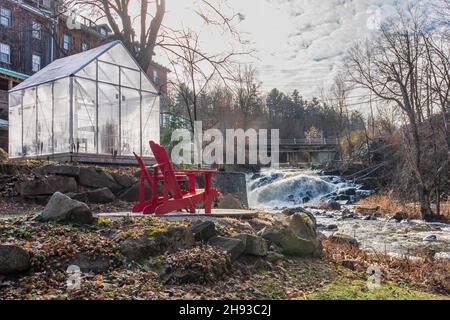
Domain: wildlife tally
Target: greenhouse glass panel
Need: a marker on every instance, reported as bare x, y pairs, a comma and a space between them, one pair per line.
118, 55
61, 116
29, 124
108, 119
90, 71
130, 122
150, 123
85, 116
15, 124
98, 102
130, 78
44, 119
108, 73
146, 84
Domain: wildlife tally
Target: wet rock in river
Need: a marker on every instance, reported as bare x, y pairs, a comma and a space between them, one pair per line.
343, 239
371, 217
430, 238
331, 205
399, 216
348, 191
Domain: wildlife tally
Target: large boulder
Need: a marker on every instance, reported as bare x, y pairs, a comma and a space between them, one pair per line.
99, 196
331, 205
254, 245
69, 171
230, 183
124, 180
61, 208
47, 186
199, 265
93, 178
399, 216
343, 239
203, 230
348, 191
296, 236
13, 260
156, 242
99, 264
230, 201
132, 193
292, 211
234, 247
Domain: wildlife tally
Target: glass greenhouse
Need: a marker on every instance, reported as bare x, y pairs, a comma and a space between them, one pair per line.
98, 102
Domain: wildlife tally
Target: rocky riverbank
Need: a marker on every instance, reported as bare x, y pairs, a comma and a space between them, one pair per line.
26, 187
204, 258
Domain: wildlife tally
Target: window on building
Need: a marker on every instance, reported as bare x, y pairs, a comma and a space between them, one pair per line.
36, 63
36, 30
156, 79
5, 53
84, 46
47, 4
5, 17
67, 42
103, 31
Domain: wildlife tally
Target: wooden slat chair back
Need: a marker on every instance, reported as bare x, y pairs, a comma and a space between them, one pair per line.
174, 198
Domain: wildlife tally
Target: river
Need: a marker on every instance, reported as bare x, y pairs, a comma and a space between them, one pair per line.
274, 190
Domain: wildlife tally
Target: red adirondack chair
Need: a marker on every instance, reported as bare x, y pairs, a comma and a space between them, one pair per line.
174, 198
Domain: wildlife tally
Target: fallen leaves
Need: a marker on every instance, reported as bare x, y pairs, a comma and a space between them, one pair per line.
201, 272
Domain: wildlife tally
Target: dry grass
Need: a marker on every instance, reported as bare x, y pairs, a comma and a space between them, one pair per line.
388, 205
423, 273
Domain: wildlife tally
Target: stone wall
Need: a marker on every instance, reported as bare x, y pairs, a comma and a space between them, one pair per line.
232, 183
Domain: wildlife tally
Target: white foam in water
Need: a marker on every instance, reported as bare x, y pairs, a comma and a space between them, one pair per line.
274, 190
281, 188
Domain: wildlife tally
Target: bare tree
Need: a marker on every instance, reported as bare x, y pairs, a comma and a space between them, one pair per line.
195, 72
397, 68
139, 23
247, 89
337, 98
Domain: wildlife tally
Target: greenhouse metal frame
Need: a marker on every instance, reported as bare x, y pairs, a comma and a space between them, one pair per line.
98, 104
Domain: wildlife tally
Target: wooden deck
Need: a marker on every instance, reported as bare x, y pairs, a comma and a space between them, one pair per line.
216, 213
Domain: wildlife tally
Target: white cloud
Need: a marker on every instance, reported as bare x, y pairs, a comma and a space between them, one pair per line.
299, 44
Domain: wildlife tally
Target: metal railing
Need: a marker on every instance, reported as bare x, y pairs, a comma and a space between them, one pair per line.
315, 141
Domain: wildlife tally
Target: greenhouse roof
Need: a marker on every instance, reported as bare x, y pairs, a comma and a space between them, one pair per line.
65, 67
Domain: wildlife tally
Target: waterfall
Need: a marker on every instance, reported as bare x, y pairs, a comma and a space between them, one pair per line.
280, 188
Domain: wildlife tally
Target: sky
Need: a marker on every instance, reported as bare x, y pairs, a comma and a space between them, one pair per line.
298, 44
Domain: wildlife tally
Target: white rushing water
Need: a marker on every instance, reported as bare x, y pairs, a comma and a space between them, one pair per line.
276, 189
284, 188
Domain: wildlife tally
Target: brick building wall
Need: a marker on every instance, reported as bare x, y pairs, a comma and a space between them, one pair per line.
49, 46
158, 75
